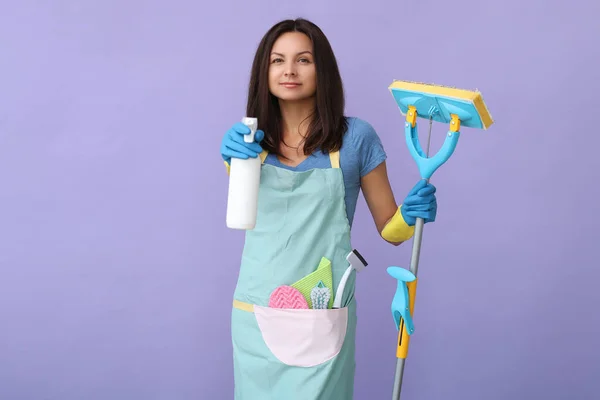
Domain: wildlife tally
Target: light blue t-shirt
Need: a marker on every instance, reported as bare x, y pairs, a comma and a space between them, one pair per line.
360, 153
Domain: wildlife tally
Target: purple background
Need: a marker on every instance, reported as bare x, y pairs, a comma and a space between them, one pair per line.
117, 269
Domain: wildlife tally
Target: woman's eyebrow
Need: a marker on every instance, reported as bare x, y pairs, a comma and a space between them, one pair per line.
302, 52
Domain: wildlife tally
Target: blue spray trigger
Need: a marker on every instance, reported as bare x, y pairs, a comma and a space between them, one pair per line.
400, 302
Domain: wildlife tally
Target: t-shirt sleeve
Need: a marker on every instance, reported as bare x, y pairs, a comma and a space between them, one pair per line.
367, 146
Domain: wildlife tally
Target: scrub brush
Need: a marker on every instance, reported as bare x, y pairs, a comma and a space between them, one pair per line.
319, 296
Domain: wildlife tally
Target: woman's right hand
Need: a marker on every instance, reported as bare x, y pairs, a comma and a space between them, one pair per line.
234, 146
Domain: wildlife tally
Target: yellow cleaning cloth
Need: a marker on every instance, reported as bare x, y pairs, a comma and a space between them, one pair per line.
306, 284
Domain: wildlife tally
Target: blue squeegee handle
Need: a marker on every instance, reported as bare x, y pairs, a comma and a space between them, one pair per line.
427, 166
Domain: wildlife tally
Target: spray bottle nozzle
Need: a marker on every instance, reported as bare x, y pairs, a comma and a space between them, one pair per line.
251, 123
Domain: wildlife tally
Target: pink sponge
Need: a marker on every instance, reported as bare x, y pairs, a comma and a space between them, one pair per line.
287, 297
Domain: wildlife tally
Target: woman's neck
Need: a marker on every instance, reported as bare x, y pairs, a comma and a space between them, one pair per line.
295, 120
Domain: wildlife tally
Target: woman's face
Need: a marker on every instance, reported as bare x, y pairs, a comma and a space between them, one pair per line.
292, 73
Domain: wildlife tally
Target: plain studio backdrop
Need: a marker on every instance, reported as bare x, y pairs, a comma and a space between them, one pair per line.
117, 269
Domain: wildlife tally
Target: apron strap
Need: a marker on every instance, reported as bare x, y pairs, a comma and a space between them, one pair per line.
335, 159
240, 305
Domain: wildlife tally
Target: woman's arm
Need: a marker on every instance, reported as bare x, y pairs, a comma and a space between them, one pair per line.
397, 224
380, 198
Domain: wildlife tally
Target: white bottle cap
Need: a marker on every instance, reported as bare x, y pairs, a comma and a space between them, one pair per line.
251, 123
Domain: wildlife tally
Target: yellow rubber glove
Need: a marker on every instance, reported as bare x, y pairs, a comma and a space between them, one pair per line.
397, 230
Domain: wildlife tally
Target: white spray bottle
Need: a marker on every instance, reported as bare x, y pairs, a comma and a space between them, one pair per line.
244, 181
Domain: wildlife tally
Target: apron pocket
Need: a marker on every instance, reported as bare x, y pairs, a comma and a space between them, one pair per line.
302, 337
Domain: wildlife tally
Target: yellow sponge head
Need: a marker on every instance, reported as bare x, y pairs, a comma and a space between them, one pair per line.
441, 102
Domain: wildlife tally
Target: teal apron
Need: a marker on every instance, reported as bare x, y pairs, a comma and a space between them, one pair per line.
294, 354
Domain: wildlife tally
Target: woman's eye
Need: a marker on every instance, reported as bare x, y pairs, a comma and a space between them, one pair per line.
276, 60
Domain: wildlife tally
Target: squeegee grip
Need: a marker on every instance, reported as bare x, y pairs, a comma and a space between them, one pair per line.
428, 165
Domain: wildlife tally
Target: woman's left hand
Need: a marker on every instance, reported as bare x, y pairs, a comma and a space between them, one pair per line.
420, 203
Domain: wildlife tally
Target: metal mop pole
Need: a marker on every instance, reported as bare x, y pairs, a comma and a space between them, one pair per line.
414, 266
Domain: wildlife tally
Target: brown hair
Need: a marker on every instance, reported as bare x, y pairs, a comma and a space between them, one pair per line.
328, 123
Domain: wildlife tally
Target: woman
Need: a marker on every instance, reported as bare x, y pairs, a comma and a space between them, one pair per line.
315, 162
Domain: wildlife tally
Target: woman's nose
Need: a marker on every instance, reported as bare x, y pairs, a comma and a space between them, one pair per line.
290, 70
